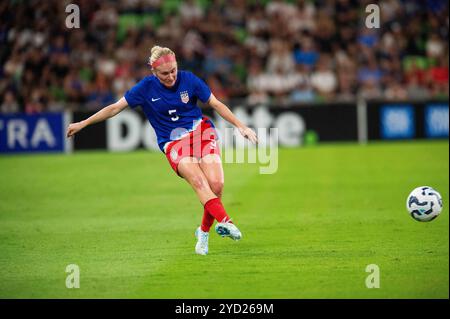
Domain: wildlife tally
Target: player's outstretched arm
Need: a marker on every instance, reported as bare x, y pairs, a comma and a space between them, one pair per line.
103, 114
226, 113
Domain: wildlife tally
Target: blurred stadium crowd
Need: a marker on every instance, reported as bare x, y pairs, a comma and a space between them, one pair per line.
280, 52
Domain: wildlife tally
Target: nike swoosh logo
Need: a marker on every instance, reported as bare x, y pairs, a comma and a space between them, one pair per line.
153, 100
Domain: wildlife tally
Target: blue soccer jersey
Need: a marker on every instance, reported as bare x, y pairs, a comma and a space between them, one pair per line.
170, 111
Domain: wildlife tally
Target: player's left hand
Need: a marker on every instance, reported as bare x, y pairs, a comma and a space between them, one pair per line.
248, 133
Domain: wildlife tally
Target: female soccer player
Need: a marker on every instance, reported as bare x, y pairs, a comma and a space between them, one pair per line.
188, 139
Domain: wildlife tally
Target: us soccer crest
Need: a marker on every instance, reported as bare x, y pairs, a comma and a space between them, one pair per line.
184, 97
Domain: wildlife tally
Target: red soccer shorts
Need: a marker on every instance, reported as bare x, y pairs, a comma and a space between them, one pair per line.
198, 143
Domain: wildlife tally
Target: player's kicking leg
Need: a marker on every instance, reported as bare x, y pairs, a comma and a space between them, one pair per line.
189, 168
211, 166
228, 229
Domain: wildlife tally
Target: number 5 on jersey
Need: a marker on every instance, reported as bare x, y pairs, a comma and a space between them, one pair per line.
175, 117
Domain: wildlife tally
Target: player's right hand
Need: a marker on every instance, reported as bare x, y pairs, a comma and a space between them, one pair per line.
74, 128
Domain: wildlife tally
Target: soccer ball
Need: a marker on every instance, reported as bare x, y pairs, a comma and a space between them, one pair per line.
424, 204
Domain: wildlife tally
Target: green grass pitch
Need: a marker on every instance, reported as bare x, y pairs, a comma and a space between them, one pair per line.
309, 230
